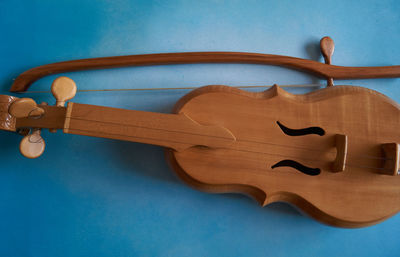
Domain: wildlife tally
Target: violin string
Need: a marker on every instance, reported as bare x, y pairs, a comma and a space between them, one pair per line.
307, 159
316, 150
241, 150
257, 142
295, 147
187, 88
172, 88
168, 140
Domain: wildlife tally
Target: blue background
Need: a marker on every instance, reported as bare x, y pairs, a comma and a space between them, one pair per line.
97, 197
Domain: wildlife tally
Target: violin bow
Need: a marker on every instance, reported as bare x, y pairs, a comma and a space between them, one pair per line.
321, 70
65, 89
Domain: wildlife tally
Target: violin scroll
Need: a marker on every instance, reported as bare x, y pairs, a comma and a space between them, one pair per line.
25, 116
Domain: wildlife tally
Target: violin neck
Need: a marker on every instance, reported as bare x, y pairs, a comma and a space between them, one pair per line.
176, 131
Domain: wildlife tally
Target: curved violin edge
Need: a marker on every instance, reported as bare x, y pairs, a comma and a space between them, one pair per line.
24, 80
318, 95
255, 193
263, 199
305, 207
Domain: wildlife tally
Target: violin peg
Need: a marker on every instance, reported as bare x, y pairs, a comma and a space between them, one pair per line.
25, 107
327, 48
32, 145
63, 89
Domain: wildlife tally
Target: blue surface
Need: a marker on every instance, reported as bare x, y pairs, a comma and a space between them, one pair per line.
96, 197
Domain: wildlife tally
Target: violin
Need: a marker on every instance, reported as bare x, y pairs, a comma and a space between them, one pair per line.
333, 153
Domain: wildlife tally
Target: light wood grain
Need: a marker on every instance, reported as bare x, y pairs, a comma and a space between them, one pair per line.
367, 118
25, 107
178, 132
63, 89
32, 145
341, 143
222, 139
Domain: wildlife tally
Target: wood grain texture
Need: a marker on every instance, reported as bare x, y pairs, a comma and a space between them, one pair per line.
63, 89
341, 144
222, 139
327, 48
25, 107
318, 69
176, 131
7, 122
52, 118
392, 154
366, 117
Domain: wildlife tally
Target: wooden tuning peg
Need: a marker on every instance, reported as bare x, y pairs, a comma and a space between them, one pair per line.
32, 145
63, 89
327, 48
25, 107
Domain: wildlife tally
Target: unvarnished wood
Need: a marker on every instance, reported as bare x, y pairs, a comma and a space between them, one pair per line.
392, 155
7, 121
63, 89
32, 145
176, 131
25, 107
52, 118
367, 118
327, 48
222, 139
23, 81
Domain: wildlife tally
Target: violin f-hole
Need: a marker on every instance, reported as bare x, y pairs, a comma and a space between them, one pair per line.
298, 166
301, 132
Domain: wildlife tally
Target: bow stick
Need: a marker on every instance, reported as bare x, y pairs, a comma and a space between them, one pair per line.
326, 71
175, 88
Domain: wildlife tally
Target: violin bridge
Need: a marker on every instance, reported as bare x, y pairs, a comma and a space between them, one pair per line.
391, 152
341, 153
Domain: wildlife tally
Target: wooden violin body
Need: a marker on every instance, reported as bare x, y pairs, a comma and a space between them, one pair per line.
363, 193
333, 152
